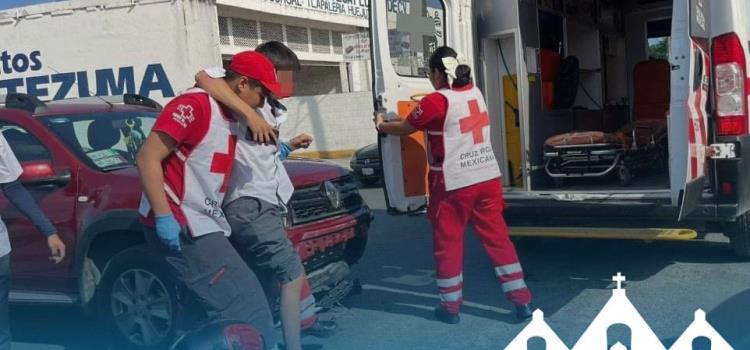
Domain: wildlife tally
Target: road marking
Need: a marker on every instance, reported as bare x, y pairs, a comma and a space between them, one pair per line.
434, 296
425, 278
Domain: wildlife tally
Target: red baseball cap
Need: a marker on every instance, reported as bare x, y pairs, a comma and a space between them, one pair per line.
257, 66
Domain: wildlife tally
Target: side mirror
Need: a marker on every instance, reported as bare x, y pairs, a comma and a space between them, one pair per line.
40, 173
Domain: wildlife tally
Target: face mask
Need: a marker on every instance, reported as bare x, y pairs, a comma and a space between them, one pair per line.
278, 110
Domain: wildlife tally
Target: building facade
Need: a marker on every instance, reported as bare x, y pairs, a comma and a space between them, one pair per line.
154, 47
332, 90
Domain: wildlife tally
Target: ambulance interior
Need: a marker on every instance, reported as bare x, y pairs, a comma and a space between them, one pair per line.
600, 123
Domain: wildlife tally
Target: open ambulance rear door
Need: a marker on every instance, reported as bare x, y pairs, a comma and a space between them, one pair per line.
404, 34
689, 109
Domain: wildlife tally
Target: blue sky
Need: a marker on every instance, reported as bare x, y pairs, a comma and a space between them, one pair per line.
6, 4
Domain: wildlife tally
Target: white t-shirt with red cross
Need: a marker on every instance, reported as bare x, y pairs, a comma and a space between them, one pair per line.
196, 174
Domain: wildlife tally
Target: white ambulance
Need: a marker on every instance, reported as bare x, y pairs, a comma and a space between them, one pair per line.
610, 118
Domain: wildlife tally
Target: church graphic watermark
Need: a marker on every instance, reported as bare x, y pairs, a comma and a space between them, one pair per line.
618, 311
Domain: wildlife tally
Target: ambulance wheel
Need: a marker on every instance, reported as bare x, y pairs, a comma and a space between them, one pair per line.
624, 175
139, 301
739, 236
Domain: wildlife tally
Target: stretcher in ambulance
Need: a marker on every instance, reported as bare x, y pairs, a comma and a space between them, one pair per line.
609, 118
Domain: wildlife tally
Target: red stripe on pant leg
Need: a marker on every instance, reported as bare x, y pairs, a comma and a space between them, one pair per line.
449, 216
453, 307
520, 296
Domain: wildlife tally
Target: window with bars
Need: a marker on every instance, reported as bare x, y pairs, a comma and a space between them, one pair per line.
271, 32
249, 33
297, 39
224, 31
245, 32
321, 40
337, 45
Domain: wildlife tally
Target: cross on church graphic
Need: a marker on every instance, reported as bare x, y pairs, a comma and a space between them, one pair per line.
618, 311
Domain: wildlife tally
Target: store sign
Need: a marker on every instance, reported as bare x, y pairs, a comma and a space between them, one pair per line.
356, 46
353, 8
402, 7
81, 83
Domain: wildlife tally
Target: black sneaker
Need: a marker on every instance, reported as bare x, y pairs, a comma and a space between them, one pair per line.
446, 317
321, 329
524, 312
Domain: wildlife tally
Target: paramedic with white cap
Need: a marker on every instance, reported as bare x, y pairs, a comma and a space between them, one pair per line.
465, 183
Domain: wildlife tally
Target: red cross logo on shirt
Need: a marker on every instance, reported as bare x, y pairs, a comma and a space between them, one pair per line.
222, 163
475, 122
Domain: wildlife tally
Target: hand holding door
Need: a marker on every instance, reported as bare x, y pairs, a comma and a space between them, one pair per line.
378, 118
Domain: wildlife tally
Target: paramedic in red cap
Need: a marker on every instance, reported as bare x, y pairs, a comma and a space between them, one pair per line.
465, 183
258, 190
185, 164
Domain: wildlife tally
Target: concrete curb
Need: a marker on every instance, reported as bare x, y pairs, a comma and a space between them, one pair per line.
326, 154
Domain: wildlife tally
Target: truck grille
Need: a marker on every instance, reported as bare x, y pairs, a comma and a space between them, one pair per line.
367, 162
335, 253
324, 200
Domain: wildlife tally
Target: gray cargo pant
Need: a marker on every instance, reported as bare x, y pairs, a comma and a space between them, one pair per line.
210, 268
260, 237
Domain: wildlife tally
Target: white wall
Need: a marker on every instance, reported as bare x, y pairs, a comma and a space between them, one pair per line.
583, 42
360, 76
272, 7
111, 43
336, 121
318, 80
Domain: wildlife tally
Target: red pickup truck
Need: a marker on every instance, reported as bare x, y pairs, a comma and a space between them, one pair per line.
78, 160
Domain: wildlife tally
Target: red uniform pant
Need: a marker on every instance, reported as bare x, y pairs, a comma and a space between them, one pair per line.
449, 213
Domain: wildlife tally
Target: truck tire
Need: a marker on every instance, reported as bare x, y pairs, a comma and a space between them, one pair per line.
139, 301
739, 236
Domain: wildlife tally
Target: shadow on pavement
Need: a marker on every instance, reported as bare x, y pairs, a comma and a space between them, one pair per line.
67, 327
400, 269
732, 320
398, 274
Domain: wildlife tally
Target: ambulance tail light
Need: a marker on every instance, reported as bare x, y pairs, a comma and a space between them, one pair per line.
727, 188
730, 85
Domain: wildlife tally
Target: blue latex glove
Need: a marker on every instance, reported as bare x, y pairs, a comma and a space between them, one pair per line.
284, 150
168, 230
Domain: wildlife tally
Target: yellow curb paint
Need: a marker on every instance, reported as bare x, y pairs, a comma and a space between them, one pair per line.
325, 154
648, 234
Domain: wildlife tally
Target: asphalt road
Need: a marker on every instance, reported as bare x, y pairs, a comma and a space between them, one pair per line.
571, 281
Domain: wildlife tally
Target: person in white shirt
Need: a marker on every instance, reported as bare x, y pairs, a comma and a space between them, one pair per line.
259, 186
10, 172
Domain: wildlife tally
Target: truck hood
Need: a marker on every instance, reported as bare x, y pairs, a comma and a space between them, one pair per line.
303, 172
309, 172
